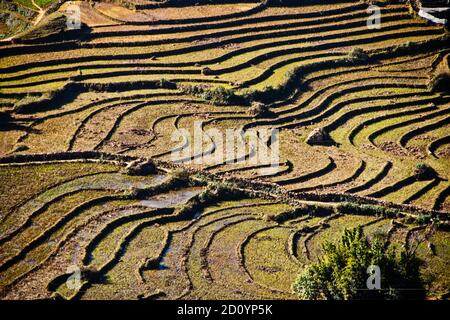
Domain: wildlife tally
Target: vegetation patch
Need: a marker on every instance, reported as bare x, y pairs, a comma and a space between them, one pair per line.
87, 136
217, 95
342, 272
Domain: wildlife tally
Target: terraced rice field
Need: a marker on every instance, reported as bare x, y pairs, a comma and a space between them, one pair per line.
76, 109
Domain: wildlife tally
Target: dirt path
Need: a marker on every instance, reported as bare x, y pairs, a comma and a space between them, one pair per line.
40, 15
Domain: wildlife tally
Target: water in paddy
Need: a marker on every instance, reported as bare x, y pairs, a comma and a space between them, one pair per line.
107, 181
172, 198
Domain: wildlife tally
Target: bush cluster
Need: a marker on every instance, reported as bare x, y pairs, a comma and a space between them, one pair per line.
214, 192
341, 274
424, 172
367, 210
269, 94
304, 210
358, 54
216, 95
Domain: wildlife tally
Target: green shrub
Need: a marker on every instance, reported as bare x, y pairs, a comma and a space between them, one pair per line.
367, 210
341, 274
215, 192
305, 210
206, 71
216, 95
423, 219
268, 94
224, 189
358, 54
424, 172
179, 177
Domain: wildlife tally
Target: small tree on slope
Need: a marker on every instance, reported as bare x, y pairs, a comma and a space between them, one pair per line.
342, 272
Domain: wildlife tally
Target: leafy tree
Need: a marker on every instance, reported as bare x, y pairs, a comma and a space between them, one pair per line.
342, 272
